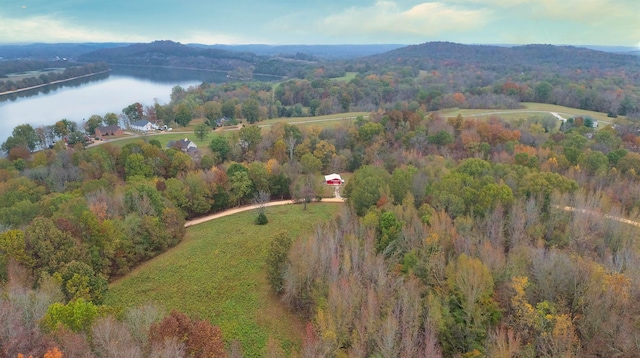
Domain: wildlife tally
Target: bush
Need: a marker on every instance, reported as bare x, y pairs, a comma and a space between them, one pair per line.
262, 219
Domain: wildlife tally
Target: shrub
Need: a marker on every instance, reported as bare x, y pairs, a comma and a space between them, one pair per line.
262, 219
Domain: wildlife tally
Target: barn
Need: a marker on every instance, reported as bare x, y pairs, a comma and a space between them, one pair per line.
333, 179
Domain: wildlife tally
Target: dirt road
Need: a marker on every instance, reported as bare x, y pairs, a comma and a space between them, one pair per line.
250, 207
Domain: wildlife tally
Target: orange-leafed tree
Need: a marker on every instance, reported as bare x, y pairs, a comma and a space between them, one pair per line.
200, 338
53, 353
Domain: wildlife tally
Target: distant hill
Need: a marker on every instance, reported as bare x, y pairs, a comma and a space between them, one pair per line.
242, 64
321, 51
500, 60
42, 51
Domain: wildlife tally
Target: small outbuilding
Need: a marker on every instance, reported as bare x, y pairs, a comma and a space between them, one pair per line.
333, 179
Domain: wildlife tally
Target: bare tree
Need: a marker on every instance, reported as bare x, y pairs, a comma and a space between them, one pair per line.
291, 145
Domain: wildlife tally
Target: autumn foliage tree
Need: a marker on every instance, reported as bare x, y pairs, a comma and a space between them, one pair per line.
200, 338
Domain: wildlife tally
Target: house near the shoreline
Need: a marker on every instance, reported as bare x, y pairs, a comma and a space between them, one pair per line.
108, 131
143, 125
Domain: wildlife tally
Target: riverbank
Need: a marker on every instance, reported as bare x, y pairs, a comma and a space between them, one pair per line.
51, 83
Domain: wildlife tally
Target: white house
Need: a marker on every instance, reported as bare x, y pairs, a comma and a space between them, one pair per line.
143, 125
184, 145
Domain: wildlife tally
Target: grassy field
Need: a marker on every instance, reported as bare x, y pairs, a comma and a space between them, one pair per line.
182, 132
165, 137
327, 121
532, 109
30, 74
218, 273
346, 78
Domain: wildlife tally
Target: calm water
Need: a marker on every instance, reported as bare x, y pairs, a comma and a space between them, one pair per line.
100, 94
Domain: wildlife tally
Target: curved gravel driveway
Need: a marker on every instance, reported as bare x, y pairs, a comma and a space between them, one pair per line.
250, 207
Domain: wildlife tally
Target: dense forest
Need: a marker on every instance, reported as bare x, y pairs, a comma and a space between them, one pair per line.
461, 237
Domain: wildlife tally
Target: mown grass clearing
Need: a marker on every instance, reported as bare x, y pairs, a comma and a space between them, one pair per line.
326, 121
532, 109
218, 273
346, 78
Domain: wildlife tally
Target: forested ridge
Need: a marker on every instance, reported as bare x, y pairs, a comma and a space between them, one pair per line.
454, 240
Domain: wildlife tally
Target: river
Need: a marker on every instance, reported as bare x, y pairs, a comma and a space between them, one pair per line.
79, 99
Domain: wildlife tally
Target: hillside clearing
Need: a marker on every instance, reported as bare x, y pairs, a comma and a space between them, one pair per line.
218, 273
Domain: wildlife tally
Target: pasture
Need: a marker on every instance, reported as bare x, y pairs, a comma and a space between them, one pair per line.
218, 273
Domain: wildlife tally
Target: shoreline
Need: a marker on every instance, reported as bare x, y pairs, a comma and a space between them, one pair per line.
52, 83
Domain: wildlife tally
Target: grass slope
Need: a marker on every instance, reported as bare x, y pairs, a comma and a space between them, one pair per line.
218, 273
531, 109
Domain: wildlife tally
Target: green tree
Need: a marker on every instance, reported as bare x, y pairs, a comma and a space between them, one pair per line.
51, 247
92, 123
313, 106
79, 281
250, 137
390, 230
441, 138
251, 110
27, 135
241, 187
183, 114
136, 165
13, 246
111, 119
259, 175
77, 316
400, 183
76, 137
470, 309
180, 163
368, 131
220, 146
543, 92
198, 194
228, 109
616, 155
133, 112
310, 164
366, 188
212, 111
202, 131
595, 161
630, 162
277, 258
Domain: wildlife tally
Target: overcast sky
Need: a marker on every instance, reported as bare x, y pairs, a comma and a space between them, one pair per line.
574, 22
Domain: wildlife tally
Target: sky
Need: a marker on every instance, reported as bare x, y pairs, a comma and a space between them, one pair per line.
558, 22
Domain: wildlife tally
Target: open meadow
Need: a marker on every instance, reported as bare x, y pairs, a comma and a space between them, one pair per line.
532, 109
218, 273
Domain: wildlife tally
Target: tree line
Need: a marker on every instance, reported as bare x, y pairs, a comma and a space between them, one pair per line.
52, 76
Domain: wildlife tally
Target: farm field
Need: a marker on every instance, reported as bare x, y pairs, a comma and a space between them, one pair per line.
30, 74
218, 273
531, 109
182, 132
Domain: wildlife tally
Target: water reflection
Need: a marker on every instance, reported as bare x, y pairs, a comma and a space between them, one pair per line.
53, 87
